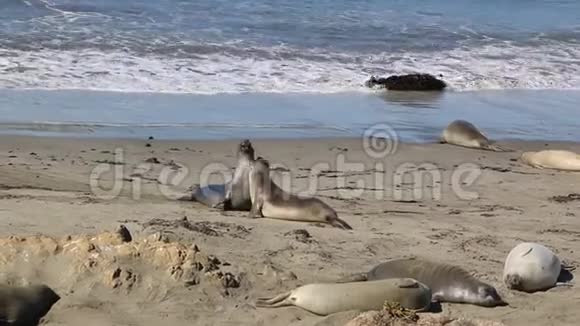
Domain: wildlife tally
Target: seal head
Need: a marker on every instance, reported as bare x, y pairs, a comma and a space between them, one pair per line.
245, 150
488, 296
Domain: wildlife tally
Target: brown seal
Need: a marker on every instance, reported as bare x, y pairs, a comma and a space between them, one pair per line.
268, 200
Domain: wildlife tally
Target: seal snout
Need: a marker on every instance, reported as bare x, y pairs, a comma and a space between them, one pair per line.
487, 296
513, 281
525, 157
493, 298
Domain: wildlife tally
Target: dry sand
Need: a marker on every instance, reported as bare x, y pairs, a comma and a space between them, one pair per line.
45, 189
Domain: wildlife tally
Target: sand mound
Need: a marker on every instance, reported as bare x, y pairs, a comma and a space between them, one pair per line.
111, 259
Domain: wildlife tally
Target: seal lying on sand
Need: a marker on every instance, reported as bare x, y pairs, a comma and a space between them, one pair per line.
463, 133
411, 82
268, 200
552, 159
234, 195
448, 283
26, 305
328, 298
531, 267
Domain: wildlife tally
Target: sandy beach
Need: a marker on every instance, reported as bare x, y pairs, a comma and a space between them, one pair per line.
466, 207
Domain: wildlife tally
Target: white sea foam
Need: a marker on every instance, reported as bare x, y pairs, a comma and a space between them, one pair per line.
550, 66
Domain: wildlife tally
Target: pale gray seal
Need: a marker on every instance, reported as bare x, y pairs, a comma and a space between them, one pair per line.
328, 298
448, 283
268, 200
235, 194
463, 133
531, 267
552, 159
25, 305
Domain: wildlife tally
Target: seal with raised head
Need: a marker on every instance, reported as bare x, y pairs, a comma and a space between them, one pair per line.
465, 134
328, 298
235, 194
552, 159
448, 283
25, 305
269, 200
531, 267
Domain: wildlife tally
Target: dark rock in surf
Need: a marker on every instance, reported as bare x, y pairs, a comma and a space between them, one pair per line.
411, 82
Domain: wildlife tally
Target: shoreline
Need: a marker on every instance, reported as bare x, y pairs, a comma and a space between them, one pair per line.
412, 117
524, 143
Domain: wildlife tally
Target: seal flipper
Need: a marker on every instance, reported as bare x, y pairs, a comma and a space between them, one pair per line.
564, 284
256, 210
188, 197
280, 300
336, 222
497, 148
566, 275
191, 195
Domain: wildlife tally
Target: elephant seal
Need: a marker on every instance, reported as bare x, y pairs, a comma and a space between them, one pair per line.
552, 159
410, 82
235, 194
328, 298
268, 200
463, 133
531, 267
25, 305
448, 283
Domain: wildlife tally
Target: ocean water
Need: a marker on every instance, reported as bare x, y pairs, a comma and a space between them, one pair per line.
235, 46
286, 68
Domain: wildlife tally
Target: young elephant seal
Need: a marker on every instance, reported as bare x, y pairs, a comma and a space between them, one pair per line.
234, 195
25, 305
531, 267
328, 298
552, 159
448, 283
463, 133
268, 200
